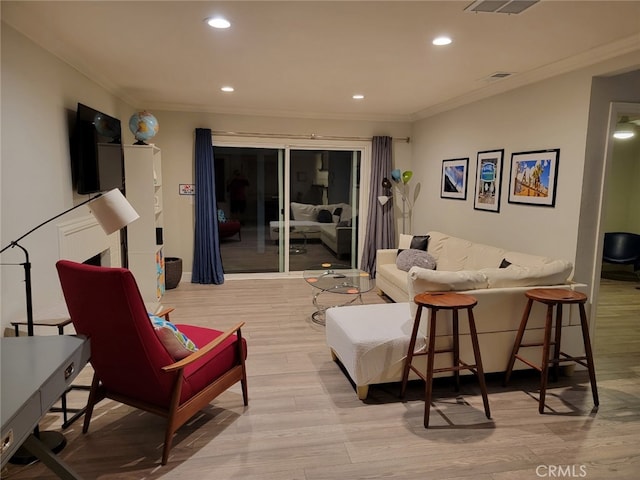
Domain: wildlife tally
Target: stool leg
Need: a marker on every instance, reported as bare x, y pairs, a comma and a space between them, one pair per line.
456, 349
517, 342
588, 352
410, 351
478, 359
544, 366
430, 361
556, 346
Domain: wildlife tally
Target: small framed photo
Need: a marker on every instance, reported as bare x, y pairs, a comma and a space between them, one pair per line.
534, 177
488, 180
454, 178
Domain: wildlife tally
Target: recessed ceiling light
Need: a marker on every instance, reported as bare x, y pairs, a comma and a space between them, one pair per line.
227, 89
358, 96
218, 22
441, 41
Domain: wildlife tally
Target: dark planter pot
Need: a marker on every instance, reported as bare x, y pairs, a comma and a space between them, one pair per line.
172, 272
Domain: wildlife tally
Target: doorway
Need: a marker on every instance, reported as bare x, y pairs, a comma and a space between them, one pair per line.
621, 205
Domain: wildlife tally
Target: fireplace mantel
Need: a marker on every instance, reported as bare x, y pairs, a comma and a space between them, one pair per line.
82, 238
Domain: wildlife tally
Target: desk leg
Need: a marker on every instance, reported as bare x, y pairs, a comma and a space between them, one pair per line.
55, 464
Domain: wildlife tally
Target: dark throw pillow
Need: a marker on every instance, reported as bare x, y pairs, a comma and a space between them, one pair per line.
338, 211
324, 216
420, 242
504, 263
415, 258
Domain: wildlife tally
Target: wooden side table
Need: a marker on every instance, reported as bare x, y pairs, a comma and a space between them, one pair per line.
444, 301
554, 297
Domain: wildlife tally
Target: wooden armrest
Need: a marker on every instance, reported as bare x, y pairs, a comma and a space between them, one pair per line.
164, 313
204, 350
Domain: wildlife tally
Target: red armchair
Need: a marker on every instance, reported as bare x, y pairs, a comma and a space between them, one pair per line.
131, 365
229, 228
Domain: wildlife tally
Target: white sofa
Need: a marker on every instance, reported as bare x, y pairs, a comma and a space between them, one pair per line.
304, 223
371, 341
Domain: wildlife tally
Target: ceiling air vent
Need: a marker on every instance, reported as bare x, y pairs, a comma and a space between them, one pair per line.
500, 6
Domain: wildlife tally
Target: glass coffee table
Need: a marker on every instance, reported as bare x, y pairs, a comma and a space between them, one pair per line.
332, 278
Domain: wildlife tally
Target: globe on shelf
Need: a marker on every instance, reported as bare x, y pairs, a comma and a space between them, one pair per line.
144, 127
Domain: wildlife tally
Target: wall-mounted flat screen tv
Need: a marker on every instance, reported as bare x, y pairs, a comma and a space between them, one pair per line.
96, 152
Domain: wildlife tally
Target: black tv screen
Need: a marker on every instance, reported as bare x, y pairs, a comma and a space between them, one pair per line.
96, 152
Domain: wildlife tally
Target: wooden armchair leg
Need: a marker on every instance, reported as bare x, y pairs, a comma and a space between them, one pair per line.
91, 401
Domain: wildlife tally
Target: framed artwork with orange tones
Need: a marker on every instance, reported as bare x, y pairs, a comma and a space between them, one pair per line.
534, 177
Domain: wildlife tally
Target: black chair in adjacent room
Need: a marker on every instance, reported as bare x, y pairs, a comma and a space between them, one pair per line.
622, 248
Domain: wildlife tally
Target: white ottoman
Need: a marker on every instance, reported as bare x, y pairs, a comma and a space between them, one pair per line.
371, 341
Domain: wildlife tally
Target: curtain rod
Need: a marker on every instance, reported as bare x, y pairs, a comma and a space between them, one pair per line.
311, 136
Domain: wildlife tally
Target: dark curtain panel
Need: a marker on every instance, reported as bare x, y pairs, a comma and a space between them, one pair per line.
207, 262
381, 231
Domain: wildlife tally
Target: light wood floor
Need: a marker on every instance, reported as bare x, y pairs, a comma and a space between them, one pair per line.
304, 420
255, 254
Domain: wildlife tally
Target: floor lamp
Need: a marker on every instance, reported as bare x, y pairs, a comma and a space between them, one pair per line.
113, 212
387, 185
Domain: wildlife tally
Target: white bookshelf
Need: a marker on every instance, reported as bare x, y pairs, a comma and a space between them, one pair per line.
143, 186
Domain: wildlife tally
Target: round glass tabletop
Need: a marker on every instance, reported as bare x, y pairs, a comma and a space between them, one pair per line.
337, 278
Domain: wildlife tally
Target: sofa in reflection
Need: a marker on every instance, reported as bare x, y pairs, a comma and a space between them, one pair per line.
331, 224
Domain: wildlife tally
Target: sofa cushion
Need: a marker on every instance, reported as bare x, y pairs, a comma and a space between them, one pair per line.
324, 216
177, 343
527, 260
422, 280
303, 211
415, 258
437, 280
554, 273
459, 254
418, 242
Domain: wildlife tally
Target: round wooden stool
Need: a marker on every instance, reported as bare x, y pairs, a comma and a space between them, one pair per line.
554, 297
444, 301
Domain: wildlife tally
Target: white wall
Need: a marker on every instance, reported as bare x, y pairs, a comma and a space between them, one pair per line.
551, 114
176, 139
622, 205
39, 98
606, 92
554, 113
40, 93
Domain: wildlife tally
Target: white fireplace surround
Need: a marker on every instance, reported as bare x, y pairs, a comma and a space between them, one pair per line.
82, 238
79, 240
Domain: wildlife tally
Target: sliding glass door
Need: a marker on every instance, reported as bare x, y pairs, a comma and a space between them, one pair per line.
247, 191
286, 209
323, 192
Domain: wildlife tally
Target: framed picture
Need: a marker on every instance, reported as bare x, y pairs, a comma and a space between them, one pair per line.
488, 180
454, 178
534, 176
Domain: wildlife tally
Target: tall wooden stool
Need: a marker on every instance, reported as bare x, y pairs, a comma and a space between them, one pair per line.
444, 301
554, 297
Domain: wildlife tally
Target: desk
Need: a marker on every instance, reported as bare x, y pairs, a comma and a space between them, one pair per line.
35, 372
56, 316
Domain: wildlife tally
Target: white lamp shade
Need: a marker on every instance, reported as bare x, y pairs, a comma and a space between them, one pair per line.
112, 211
383, 199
